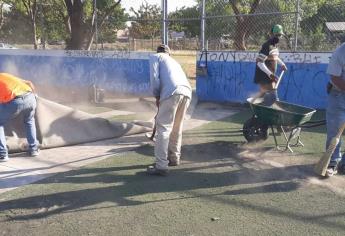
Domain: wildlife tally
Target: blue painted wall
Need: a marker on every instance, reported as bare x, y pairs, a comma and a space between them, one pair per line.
230, 76
124, 73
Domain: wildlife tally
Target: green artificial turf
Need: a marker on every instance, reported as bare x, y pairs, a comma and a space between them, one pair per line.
213, 192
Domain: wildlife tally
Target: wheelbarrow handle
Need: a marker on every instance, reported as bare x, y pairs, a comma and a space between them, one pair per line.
279, 79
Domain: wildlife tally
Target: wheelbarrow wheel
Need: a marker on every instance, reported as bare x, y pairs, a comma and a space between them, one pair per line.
254, 131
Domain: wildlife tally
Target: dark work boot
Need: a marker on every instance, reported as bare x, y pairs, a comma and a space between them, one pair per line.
173, 162
152, 170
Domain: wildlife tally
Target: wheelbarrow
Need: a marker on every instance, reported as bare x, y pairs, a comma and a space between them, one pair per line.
286, 117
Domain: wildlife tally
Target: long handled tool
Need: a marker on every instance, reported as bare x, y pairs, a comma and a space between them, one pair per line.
279, 79
260, 94
152, 136
321, 167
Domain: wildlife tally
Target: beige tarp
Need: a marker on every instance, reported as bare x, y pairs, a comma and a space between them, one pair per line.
58, 125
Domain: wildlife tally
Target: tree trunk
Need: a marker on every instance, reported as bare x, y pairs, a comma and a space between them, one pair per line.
34, 30
76, 18
31, 10
67, 25
239, 42
1, 14
101, 22
77, 32
242, 24
93, 26
64, 17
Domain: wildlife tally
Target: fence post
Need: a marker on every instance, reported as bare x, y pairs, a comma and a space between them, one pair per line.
96, 25
297, 24
203, 19
165, 22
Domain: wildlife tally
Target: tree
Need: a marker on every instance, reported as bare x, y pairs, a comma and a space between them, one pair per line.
29, 8
243, 25
16, 27
75, 10
69, 20
114, 22
1, 13
148, 22
190, 27
104, 10
313, 25
329, 11
82, 20
56, 20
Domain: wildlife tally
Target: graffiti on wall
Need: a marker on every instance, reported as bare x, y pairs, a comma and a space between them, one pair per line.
230, 77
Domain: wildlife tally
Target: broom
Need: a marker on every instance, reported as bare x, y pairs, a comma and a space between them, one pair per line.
321, 167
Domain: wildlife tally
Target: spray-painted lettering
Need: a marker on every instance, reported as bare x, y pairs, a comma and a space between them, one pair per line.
230, 77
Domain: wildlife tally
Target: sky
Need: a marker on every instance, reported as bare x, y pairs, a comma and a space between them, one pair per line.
172, 4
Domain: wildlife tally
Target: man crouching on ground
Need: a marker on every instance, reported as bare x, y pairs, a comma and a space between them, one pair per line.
173, 94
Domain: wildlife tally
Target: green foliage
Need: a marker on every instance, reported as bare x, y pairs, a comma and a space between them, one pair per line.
23, 10
316, 39
52, 20
16, 29
148, 22
107, 24
325, 13
217, 27
190, 27
113, 23
313, 28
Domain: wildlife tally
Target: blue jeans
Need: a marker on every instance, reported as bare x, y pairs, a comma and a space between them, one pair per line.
335, 115
26, 106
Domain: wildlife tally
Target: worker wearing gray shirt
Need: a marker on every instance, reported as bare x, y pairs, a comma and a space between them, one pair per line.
173, 93
335, 113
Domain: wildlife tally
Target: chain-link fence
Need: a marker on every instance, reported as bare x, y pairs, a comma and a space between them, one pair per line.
206, 24
321, 28
245, 25
229, 27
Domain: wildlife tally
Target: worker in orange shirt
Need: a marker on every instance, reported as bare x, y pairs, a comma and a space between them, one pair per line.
17, 98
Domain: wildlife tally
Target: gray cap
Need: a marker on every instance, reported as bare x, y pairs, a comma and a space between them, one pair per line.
163, 48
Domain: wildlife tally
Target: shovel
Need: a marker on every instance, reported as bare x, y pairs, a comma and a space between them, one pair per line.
259, 95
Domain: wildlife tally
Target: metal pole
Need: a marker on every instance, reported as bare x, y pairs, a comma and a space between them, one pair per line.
43, 36
297, 24
95, 18
203, 24
165, 22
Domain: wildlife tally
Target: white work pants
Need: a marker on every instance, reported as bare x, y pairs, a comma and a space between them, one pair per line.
169, 124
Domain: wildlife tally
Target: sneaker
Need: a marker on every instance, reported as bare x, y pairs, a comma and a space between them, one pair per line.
4, 158
331, 170
34, 153
152, 170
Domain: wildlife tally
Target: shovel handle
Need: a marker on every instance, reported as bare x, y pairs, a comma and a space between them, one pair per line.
279, 79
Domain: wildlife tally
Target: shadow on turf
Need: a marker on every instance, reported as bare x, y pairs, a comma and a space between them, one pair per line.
130, 181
